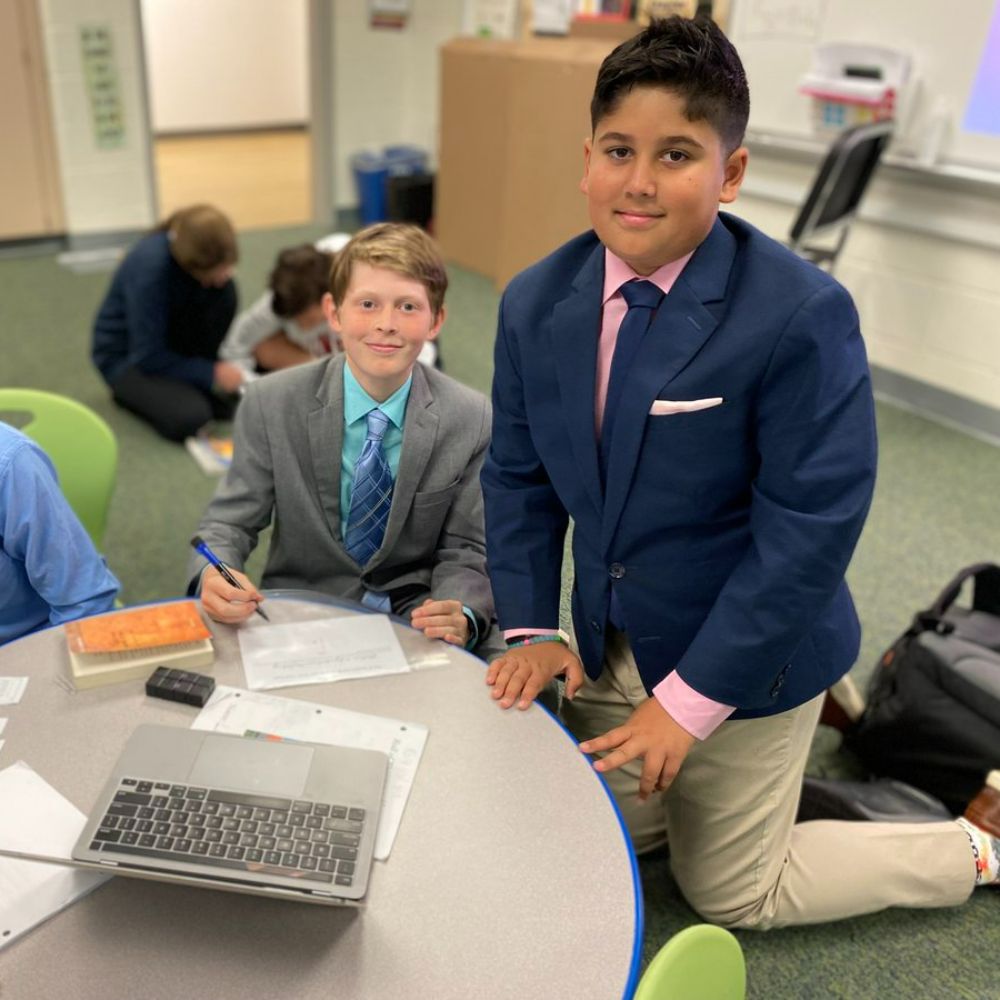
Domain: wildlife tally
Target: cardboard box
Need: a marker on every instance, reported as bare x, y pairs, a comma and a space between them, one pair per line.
468, 210
514, 116
603, 28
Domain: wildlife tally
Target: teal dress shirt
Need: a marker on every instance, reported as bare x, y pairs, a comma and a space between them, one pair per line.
357, 405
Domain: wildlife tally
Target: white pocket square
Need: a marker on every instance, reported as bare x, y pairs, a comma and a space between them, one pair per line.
662, 407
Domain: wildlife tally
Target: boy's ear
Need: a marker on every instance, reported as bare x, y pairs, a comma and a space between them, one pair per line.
733, 173
438, 323
330, 312
587, 146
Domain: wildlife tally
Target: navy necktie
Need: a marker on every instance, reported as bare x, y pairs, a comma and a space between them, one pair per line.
643, 298
371, 495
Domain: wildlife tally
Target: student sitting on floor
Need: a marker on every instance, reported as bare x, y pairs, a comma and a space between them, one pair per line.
367, 462
158, 331
286, 325
50, 572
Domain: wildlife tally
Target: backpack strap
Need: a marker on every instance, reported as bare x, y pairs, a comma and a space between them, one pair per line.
985, 597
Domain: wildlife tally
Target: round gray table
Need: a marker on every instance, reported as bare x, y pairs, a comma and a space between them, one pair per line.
511, 875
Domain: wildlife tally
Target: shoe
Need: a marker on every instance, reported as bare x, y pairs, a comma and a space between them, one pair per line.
881, 800
984, 809
843, 705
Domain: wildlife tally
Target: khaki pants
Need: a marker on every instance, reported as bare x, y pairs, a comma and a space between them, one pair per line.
729, 817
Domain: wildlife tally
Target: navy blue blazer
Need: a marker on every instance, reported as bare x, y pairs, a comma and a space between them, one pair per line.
725, 532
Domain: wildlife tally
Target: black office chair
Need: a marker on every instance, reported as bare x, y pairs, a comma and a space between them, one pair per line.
833, 200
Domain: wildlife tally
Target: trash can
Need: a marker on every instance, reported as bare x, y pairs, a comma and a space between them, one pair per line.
370, 173
410, 198
405, 160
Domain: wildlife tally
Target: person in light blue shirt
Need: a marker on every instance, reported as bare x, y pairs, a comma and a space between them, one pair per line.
50, 572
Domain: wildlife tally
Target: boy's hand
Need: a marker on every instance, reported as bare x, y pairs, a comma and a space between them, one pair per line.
226, 376
442, 620
224, 602
520, 674
649, 733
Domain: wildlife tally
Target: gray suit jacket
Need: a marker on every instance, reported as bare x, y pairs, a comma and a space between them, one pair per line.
286, 466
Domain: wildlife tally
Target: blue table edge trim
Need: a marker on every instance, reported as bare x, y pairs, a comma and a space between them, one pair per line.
633, 972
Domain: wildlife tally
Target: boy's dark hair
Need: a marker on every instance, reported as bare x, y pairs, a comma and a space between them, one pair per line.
298, 280
398, 247
692, 58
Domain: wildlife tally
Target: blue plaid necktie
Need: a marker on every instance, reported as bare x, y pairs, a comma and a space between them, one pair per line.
371, 495
643, 298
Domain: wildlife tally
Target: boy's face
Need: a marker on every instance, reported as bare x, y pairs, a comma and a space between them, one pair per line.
654, 180
383, 322
215, 277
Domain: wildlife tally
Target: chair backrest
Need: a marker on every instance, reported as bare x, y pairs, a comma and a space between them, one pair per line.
81, 445
840, 184
702, 962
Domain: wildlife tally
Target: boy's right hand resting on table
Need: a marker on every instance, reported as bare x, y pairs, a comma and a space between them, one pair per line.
520, 674
225, 603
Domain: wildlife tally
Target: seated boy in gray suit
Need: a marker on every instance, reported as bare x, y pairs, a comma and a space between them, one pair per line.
367, 462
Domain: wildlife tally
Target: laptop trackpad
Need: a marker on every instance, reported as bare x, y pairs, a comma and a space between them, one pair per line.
252, 765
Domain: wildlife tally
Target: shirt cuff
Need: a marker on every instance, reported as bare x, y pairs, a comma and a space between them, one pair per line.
473, 627
517, 633
698, 715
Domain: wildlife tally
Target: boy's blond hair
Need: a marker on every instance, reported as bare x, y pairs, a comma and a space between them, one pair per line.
398, 247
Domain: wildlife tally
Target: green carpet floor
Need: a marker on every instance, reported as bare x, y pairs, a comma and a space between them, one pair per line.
936, 509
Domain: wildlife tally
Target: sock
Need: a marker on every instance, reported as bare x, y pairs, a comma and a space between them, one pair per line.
986, 850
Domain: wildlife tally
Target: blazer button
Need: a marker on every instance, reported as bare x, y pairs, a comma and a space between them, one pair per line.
616, 571
595, 624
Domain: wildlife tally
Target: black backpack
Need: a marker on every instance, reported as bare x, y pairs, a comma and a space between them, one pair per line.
933, 713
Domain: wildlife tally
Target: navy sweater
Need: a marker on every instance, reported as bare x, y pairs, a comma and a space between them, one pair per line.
158, 318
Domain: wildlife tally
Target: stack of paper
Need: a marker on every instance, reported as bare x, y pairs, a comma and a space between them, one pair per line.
36, 819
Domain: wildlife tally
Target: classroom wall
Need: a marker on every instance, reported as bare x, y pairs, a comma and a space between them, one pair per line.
927, 294
386, 82
226, 64
104, 189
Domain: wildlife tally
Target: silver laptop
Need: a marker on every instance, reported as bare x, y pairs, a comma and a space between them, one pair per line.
261, 816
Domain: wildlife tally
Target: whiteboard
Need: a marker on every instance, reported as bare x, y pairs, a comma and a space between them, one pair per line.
945, 41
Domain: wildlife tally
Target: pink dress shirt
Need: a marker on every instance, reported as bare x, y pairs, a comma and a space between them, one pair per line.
694, 712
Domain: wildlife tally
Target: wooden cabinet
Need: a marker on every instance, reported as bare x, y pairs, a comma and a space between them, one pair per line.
30, 195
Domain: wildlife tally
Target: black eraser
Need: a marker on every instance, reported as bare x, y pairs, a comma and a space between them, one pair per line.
180, 685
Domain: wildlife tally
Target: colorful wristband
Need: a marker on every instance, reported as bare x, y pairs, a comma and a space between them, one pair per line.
531, 640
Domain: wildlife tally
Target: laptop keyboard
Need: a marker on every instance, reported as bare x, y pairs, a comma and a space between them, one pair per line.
293, 838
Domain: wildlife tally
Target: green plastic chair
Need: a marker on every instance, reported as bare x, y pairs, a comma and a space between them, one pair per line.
81, 445
702, 962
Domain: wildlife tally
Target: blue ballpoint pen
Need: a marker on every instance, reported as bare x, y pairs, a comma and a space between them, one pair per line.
200, 545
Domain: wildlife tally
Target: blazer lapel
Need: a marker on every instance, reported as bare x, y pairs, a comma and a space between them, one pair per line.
420, 428
681, 326
576, 327
326, 441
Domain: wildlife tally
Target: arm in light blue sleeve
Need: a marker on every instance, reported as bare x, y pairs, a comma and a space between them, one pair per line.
40, 529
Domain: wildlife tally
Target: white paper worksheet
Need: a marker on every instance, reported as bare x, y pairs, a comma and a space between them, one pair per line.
35, 818
231, 710
11, 689
317, 652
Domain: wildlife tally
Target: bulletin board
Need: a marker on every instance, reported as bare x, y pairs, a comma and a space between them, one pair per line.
955, 73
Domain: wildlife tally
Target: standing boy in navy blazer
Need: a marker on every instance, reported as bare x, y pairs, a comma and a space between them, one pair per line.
697, 399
